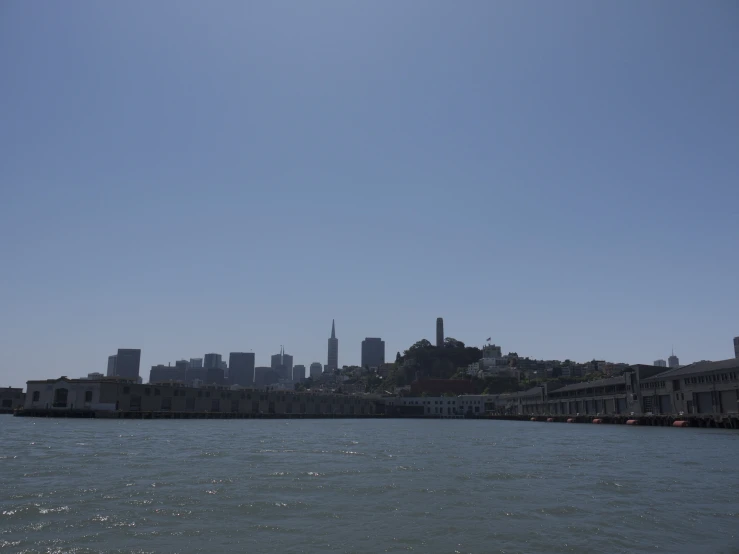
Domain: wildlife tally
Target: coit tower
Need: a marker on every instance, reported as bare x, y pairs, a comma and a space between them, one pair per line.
439, 332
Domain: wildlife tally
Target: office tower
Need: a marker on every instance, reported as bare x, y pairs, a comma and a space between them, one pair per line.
212, 361
439, 332
282, 364
333, 348
298, 373
214, 376
373, 352
223, 365
182, 365
196, 363
127, 362
162, 372
660, 363
198, 373
673, 361
111, 366
316, 370
241, 368
736, 347
264, 376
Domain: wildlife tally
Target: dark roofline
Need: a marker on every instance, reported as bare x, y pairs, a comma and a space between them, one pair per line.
695, 368
116, 379
609, 381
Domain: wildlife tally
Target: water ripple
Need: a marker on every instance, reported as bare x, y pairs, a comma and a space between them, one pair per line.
200, 486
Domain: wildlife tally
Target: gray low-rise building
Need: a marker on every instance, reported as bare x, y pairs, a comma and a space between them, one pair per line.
117, 396
710, 388
699, 388
11, 399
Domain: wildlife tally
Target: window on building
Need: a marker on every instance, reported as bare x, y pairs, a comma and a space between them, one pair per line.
88, 396
166, 403
157, 392
60, 398
36, 395
135, 403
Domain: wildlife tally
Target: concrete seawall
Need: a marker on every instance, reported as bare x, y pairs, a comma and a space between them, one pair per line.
706, 421
699, 421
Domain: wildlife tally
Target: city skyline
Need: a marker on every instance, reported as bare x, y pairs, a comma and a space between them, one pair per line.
372, 356
572, 196
215, 359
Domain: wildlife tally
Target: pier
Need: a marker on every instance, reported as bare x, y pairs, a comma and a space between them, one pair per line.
720, 421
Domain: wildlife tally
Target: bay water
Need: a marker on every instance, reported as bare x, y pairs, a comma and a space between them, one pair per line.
364, 486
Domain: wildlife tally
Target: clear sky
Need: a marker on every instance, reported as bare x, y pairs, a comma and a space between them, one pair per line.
192, 177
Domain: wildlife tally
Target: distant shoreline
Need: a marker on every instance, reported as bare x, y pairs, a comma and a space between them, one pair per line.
695, 421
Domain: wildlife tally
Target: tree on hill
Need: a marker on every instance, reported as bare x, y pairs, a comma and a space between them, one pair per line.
450, 342
441, 363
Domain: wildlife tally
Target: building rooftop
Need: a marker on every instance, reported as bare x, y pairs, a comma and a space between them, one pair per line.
116, 378
697, 367
609, 382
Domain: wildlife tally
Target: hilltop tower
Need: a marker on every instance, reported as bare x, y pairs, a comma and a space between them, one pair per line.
439, 332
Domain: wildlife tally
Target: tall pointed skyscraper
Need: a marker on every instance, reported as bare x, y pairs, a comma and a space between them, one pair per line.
333, 349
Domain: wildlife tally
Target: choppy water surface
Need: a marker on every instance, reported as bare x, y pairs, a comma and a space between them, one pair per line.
364, 486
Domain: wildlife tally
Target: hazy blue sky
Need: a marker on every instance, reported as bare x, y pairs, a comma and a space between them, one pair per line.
192, 177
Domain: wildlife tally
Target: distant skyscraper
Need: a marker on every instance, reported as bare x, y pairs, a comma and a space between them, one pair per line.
127, 362
162, 372
316, 369
333, 348
196, 363
212, 361
214, 376
241, 368
673, 361
111, 365
660, 363
439, 332
298, 372
264, 376
736, 347
282, 365
373, 352
197, 372
182, 365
